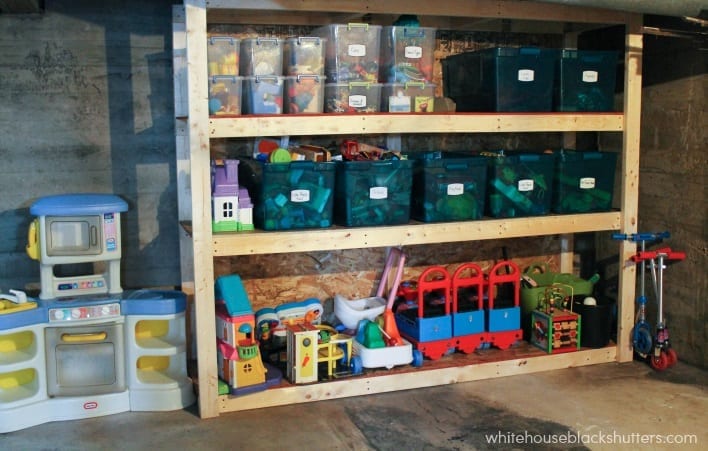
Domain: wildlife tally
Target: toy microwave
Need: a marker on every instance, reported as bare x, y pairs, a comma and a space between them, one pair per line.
77, 228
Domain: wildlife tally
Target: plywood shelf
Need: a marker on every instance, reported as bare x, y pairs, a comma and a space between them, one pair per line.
448, 370
381, 123
260, 242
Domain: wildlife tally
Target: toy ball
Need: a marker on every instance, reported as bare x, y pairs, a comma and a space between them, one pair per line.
589, 301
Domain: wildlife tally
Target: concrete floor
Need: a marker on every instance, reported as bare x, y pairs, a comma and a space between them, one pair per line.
612, 402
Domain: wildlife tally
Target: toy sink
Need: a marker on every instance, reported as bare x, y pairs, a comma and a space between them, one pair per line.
7, 306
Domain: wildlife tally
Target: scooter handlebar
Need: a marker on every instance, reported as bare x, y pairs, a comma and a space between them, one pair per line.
639, 237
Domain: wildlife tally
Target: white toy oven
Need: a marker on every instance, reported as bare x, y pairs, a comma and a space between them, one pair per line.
77, 228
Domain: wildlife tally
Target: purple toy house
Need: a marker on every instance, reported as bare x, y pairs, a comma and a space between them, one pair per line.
232, 209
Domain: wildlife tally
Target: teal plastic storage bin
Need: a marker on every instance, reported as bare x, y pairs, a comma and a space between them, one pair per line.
585, 80
295, 195
504, 79
584, 181
519, 185
373, 192
449, 187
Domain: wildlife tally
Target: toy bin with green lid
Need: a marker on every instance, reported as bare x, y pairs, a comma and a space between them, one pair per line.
295, 195
407, 54
585, 80
351, 51
519, 184
583, 181
352, 97
373, 192
503, 79
448, 187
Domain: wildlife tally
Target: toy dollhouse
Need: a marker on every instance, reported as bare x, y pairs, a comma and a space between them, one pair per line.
231, 205
239, 357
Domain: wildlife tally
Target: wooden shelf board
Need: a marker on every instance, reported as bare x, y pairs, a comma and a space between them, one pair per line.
494, 9
380, 123
261, 242
448, 370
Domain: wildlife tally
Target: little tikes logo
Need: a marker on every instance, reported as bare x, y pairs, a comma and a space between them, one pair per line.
90, 405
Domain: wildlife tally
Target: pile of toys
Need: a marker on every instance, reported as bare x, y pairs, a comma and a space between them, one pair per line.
429, 317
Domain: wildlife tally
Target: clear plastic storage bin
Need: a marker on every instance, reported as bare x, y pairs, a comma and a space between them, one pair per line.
261, 56
225, 94
352, 52
304, 94
410, 97
353, 97
304, 55
407, 54
263, 94
223, 55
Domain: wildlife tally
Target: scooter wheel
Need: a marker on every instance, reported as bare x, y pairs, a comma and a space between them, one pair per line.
660, 362
643, 340
671, 357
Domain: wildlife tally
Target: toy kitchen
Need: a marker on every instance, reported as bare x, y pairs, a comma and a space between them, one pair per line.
86, 348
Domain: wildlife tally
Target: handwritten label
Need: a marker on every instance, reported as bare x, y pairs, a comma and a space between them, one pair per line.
526, 75
413, 51
525, 185
357, 101
590, 76
356, 50
300, 195
587, 183
378, 192
455, 189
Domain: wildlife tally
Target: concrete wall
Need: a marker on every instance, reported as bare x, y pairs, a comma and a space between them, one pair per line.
86, 105
672, 186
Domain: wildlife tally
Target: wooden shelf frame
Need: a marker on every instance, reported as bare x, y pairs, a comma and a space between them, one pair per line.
194, 130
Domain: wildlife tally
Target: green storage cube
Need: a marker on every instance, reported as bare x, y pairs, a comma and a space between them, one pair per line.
504, 79
296, 195
585, 80
449, 187
373, 192
584, 181
519, 185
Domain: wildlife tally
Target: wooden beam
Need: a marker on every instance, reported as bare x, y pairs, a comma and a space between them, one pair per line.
629, 188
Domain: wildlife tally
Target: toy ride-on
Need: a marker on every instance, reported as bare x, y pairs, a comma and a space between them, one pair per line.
654, 347
377, 346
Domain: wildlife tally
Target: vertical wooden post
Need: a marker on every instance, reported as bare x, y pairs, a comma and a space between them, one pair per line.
202, 243
629, 183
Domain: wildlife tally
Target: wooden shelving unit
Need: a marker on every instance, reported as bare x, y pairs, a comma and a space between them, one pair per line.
195, 129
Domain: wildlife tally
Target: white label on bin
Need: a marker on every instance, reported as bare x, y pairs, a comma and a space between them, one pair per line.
413, 51
590, 76
399, 104
300, 195
378, 192
526, 75
356, 50
357, 101
587, 182
455, 189
525, 185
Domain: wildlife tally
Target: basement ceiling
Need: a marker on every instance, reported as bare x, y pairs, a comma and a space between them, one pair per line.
21, 6
677, 8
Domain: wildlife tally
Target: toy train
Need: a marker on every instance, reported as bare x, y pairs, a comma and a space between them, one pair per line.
469, 310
